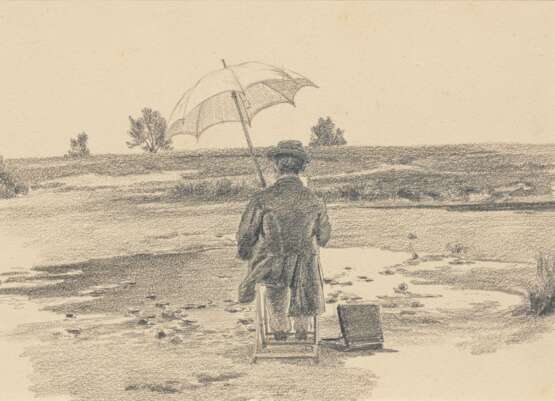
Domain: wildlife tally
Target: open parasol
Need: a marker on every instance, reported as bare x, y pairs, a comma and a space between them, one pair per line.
234, 94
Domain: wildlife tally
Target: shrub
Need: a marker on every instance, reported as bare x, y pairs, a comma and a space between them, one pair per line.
149, 132
213, 190
456, 249
79, 147
542, 294
10, 185
324, 133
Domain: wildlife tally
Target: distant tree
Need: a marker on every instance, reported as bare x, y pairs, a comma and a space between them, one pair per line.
149, 132
79, 146
324, 133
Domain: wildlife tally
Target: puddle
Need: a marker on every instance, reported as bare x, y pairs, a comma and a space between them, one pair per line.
96, 180
437, 371
16, 257
30, 284
380, 169
358, 272
16, 311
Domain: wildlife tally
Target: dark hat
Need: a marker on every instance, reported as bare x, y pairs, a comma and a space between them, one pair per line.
289, 148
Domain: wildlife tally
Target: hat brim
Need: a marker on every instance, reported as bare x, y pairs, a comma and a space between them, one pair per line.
288, 152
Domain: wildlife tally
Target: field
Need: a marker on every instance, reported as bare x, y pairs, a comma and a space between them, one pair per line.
435, 174
120, 278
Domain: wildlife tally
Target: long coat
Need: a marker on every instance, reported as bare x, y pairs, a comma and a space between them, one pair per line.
280, 234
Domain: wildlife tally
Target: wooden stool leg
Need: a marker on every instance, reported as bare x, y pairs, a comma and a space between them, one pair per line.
260, 342
316, 338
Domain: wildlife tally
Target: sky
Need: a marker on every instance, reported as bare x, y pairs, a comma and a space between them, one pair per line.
397, 73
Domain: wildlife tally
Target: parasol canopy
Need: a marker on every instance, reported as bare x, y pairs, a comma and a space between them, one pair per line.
209, 102
234, 94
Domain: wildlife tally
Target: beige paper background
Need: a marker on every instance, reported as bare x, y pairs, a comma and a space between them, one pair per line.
390, 73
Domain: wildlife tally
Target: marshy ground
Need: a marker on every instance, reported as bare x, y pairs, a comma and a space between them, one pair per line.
108, 293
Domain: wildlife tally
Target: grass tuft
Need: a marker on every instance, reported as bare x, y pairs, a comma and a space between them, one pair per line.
10, 185
542, 293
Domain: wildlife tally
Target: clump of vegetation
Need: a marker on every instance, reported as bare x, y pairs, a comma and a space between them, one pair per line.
213, 190
324, 133
10, 185
149, 132
79, 147
456, 249
412, 237
542, 294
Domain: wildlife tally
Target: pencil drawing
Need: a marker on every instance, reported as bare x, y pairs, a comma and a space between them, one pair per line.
389, 237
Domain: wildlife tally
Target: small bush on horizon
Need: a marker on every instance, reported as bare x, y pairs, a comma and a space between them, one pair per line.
10, 185
79, 147
324, 133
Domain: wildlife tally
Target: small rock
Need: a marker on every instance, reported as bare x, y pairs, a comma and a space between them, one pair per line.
75, 332
188, 322
229, 301
161, 334
331, 300
194, 306
231, 309
128, 283
151, 297
388, 272
245, 321
416, 304
151, 317
328, 280
70, 315
133, 311
143, 322
401, 288
161, 304
170, 315
177, 339
348, 268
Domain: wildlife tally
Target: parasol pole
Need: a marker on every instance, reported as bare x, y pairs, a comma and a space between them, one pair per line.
247, 135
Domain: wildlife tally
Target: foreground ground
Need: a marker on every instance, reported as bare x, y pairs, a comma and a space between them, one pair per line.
138, 302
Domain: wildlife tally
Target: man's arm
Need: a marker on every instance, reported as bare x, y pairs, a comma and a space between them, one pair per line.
249, 229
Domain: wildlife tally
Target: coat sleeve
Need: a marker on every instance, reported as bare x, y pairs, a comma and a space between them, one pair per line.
249, 229
323, 228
